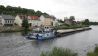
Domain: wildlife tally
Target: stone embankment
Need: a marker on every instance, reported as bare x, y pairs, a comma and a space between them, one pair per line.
65, 32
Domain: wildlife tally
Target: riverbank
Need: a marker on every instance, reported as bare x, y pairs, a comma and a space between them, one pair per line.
12, 29
63, 32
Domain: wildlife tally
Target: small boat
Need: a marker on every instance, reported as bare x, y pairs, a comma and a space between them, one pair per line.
46, 33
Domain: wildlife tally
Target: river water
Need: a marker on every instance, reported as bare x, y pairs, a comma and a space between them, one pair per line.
14, 44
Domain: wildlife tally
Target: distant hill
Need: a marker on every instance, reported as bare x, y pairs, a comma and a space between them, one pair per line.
93, 23
9, 10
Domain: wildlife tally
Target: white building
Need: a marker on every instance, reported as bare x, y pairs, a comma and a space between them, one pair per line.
35, 21
47, 21
32, 20
55, 22
7, 20
1, 21
18, 19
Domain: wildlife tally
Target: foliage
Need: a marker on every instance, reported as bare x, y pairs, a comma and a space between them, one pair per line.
86, 22
95, 53
59, 52
72, 18
93, 23
25, 25
61, 21
9, 10
66, 26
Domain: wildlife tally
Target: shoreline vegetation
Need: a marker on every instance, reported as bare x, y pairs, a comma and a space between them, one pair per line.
58, 51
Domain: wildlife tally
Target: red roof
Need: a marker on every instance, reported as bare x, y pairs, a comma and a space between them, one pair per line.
30, 17
34, 17
22, 16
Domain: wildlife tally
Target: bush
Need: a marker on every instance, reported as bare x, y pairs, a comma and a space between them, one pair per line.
59, 52
95, 53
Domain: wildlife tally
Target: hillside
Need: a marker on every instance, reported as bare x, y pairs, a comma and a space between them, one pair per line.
9, 10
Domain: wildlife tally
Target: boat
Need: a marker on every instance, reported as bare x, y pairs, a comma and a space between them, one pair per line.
46, 33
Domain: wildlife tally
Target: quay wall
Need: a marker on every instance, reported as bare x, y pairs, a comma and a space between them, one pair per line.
63, 32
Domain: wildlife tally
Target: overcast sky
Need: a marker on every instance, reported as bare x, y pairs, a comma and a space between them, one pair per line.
81, 9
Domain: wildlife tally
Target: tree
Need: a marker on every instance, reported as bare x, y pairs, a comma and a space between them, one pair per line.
2, 8
61, 21
25, 24
38, 13
86, 22
10, 10
72, 18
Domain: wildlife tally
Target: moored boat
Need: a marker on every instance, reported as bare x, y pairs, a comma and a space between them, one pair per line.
46, 33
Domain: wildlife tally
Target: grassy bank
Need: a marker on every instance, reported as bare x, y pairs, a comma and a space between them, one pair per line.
67, 52
71, 26
94, 53
59, 52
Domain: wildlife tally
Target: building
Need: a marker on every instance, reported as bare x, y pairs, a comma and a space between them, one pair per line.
7, 20
67, 21
18, 19
34, 21
1, 21
55, 22
46, 21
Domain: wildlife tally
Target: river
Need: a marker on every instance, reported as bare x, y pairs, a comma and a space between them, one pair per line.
14, 44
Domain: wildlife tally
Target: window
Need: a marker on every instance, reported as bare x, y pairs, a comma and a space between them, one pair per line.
10, 21
5, 21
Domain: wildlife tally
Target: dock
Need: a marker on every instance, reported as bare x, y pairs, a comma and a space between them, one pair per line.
64, 32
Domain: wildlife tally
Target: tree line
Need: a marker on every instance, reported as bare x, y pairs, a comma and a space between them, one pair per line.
9, 10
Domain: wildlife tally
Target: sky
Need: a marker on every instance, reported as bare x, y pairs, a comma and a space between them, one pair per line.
81, 9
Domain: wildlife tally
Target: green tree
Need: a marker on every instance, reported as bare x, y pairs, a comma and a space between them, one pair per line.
72, 18
86, 22
25, 25
2, 8
10, 10
38, 13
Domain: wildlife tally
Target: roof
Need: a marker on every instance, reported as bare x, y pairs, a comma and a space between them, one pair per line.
34, 17
23, 16
46, 16
6, 17
51, 17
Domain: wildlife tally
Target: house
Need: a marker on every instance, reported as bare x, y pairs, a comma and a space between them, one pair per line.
46, 21
69, 21
55, 22
18, 19
34, 21
7, 20
1, 21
